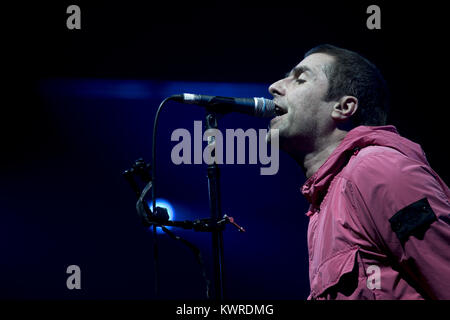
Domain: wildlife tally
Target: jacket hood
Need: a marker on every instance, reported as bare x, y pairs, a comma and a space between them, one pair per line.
317, 185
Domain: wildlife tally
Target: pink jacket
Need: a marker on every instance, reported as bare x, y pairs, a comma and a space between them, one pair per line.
379, 221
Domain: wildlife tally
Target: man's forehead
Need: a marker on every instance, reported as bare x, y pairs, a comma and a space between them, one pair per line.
313, 63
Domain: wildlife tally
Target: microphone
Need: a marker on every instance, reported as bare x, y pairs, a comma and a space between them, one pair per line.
259, 107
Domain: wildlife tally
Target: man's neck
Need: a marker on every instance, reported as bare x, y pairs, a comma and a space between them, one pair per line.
323, 148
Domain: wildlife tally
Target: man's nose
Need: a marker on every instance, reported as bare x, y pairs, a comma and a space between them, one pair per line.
277, 88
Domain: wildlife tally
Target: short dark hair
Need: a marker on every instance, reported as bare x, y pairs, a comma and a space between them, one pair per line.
351, 74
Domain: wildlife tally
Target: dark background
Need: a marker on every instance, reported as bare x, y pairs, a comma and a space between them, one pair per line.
78, 109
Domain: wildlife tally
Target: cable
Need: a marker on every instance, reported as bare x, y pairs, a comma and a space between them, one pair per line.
194, 249
155, 125
198, 256
155, 243
155, 260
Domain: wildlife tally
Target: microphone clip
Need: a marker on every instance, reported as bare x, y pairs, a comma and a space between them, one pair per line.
160, 217
142, 170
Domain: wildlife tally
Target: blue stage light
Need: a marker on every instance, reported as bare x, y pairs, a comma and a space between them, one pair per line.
163, 203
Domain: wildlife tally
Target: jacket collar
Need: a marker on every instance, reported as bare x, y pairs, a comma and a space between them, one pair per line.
315, 188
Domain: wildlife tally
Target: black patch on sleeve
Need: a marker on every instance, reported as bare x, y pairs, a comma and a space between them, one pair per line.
412, 220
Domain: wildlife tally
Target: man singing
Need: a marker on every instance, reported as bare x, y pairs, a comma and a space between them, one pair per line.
379, 215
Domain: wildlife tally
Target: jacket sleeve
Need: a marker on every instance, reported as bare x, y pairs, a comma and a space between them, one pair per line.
405, 207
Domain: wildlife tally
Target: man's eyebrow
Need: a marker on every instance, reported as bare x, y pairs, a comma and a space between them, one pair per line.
297, 71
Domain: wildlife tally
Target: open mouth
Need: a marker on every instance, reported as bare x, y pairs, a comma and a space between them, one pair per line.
279, 110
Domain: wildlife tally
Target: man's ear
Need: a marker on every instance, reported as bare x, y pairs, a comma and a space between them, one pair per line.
344, 108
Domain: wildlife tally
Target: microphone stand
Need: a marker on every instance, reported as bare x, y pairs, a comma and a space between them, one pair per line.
216, 211
158, 217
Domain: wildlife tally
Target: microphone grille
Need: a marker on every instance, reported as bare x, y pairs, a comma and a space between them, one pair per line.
264, 108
